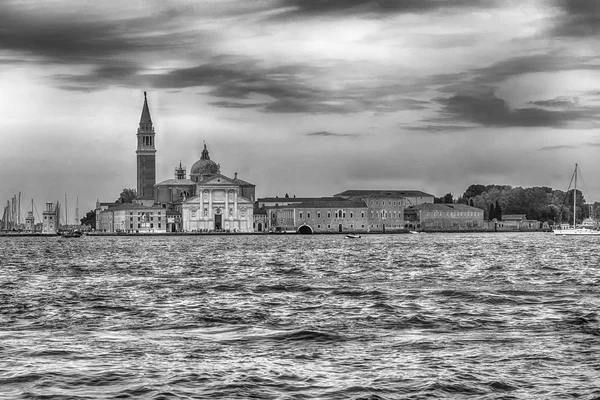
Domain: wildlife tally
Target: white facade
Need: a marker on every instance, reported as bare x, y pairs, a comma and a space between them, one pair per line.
217, 206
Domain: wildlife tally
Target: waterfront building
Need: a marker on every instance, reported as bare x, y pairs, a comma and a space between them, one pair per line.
50, 218
132, 218
324, 215
444, 217
386, 207
515, 222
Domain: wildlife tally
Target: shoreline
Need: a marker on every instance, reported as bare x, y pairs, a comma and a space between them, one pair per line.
115, 234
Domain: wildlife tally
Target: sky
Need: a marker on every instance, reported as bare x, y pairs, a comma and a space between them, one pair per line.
303, 97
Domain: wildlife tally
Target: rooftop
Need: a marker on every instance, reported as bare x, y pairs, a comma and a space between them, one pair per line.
296, 199
442, 207
175, 181
384, 193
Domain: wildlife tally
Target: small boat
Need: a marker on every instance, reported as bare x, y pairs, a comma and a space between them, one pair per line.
352, 236
414, 232
72, 234
587, 228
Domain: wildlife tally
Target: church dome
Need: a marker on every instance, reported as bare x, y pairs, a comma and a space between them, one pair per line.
204, 167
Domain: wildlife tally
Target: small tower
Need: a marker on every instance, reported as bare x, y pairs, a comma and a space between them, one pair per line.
29, 222
51, 218
146, 156
180, 172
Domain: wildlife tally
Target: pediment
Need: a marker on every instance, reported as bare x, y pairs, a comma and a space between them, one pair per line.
218, 180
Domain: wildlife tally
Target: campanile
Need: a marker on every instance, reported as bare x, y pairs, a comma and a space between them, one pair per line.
146, 156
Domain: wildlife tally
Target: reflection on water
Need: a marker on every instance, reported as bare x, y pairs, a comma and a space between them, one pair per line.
381, 317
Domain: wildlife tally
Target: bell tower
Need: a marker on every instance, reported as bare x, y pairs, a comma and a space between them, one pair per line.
146, 156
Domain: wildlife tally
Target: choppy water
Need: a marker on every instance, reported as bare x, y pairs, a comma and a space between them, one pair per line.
491, 316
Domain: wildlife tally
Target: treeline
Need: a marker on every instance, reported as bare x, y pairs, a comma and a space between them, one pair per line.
540, 203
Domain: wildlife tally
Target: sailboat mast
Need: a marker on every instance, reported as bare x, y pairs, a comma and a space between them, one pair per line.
575, 199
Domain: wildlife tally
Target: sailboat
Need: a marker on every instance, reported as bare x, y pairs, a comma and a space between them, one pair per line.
584, 229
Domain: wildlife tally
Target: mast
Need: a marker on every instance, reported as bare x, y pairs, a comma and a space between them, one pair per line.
77, 212
575, 199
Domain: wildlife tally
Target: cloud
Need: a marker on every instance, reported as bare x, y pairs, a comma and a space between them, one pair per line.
554, 148
577, 19
490, 110
559, 102
310, 8
327, 133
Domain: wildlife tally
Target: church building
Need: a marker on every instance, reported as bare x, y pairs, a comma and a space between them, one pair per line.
207, 201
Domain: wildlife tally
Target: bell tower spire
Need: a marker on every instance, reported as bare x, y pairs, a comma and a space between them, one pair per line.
146, 156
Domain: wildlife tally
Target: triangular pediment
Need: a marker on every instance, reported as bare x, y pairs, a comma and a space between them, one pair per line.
218, 180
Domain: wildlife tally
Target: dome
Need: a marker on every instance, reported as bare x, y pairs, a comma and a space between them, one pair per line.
204, 166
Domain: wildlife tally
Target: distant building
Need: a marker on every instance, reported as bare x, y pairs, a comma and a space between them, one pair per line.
515, 222
132, 218
444, 217
319, 216
386, 207
50, 219
30, 222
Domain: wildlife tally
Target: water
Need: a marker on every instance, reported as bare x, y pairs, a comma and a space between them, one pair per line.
485, 316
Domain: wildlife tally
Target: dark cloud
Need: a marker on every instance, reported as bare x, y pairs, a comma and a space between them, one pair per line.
490, 110
375, 7
329, 134
559, 102
65, 39
579, 18
232, 104
431, 128
553, 148
548, 62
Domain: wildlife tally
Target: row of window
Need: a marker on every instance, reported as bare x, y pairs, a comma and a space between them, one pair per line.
390, 202
151, 225
337, 214
455, 213
142, 212
147, 140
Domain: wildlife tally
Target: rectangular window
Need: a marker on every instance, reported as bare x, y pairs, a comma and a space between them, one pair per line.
362, 214
351, 226
319, 226
300, 214
318, 214
159, 224
328, 214
307, 215
351, 214
151, 225
130, 226
328, 226
362, 226
344, 215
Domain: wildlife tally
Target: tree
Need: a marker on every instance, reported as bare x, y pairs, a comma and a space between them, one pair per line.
287, 196
473, 190
471, 203
498, 211
89, 219
448, 199
492, 213
127, 196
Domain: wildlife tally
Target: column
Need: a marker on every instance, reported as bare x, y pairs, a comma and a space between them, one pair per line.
226, 213
210, 203
235, 206
202, 204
